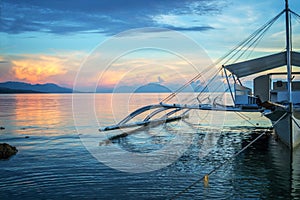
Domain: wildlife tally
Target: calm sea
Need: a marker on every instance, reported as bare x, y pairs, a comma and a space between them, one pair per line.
62, 155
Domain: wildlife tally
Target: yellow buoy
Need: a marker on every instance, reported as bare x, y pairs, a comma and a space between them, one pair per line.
205, 180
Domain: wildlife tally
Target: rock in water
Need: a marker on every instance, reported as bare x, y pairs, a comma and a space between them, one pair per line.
6, 151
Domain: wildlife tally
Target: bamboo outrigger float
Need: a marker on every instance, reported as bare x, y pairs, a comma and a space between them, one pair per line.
277, 100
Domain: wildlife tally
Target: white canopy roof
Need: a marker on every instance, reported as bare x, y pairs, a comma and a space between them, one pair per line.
261, 64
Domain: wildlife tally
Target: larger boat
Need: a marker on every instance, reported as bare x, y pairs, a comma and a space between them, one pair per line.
277, 99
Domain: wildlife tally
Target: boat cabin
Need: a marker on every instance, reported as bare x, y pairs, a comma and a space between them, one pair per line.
244, 96
275, 90
265, 87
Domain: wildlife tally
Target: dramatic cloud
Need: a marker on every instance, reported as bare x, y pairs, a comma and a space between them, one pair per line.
105, 16
37, 70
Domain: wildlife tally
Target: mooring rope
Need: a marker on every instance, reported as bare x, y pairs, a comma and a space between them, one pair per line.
205, 178
245, 118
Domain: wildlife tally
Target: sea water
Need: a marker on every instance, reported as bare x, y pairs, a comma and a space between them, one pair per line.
61, 158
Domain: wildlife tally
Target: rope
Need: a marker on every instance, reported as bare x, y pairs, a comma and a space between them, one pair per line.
205, 177
259, 32
297, 15
260, 36
244, 43
295, 121
173, 94
209, 82
245, 118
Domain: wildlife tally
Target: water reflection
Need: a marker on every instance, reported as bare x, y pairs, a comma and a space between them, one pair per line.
35, 112
53, 163
270, 168
295, 174
111, 108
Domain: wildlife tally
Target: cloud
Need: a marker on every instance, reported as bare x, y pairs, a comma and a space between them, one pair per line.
192, 28
111, 78
105, 16
37, 70
60, 68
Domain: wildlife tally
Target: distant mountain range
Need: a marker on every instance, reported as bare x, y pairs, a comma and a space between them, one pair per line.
12, 87
21, 87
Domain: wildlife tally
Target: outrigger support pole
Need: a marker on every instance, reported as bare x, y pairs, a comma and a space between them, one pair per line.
229, 86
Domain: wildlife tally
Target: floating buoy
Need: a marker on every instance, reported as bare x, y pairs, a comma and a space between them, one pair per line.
206, 180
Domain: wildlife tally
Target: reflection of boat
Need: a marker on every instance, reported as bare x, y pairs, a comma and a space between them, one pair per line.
278, 100
274, 169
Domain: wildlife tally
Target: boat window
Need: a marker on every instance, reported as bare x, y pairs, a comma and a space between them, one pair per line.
279, 84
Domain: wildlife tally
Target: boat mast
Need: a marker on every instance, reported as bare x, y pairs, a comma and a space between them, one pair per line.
288, 51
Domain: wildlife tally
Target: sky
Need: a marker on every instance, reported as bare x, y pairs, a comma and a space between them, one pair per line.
111, 43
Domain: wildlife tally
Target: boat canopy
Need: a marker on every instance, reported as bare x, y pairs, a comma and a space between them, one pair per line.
261, 64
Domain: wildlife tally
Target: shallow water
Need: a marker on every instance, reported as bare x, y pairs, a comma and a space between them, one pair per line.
60, 160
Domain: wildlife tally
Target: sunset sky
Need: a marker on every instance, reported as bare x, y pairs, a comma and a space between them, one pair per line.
51, 41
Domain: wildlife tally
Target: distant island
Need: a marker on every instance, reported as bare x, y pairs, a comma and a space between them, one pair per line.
12, 87
148, 88
152, 87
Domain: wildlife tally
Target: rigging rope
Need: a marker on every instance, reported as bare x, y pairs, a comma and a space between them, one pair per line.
296, 14
258, 38
244, 43
252, 39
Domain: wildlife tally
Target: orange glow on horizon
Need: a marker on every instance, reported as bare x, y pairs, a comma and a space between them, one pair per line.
110, 78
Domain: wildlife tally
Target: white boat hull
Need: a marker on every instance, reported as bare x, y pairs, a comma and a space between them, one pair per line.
286, 126
296, 127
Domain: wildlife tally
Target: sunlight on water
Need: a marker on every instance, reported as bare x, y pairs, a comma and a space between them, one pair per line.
53, 163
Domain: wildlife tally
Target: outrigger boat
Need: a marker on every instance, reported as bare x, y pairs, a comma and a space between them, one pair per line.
277, 100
